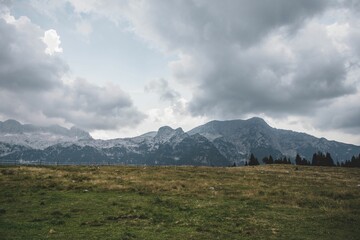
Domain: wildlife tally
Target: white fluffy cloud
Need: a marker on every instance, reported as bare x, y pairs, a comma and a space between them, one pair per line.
52, 41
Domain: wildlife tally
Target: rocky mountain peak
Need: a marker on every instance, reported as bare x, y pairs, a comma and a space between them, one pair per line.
79, 133
257, 121
179, 131
166, 133
11, 126
165, 130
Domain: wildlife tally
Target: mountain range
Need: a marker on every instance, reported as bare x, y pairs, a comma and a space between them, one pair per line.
216, 143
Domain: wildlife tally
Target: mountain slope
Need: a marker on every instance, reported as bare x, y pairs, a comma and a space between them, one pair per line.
236, 139
167, 146
217, 143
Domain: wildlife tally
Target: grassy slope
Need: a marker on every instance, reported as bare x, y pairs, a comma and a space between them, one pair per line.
264, 202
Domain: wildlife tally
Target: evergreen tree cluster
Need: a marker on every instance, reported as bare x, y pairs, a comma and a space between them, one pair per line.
283, 160
321, 159
354, 162
253, 161
301, 161
270, 160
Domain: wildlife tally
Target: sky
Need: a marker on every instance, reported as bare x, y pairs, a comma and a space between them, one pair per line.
120, 68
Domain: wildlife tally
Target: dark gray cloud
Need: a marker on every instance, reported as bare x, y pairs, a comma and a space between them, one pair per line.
239, 57
254, 57
23, 64
343, 115
282, 75
33, 87
179, 24
242, 57
93, 107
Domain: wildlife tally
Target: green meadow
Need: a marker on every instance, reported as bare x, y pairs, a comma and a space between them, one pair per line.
123, 202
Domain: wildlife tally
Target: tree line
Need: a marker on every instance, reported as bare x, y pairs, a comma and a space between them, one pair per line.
318, 159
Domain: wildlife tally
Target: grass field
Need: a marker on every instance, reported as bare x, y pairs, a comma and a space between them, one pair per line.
263, 202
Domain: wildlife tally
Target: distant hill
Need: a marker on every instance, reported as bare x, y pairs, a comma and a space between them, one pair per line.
217, 143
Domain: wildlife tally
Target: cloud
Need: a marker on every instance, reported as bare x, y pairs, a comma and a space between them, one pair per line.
277, 58
36, 85
178, 106
52, 41
274, 58
283, 75
161, 87
93, 107
24, 66
343, 114
110, 9
193, 25
253, 57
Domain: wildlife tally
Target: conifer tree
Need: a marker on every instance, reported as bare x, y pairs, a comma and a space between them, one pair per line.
271, 160
329, 160
298, 160
253, 160
314, 161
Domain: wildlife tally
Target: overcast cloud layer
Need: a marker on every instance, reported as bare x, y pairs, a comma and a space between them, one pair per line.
238, 58
277, 58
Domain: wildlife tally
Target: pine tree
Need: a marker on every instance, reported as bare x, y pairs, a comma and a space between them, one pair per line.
253, 160
271, 160
329, 160
268, 160
314, 161
320, 159
357, 161
354, 162
298, 160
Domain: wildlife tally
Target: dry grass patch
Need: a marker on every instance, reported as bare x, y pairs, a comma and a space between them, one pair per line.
109, 202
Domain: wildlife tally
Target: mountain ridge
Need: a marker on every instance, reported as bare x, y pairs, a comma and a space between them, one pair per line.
216, 143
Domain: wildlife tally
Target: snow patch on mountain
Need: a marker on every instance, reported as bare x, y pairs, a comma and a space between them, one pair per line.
13, 132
